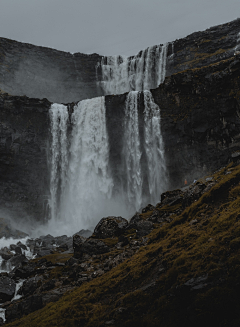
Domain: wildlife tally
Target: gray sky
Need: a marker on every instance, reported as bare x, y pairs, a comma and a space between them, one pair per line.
109, 27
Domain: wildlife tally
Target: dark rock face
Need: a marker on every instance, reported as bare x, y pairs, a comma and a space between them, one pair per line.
203, 48
59, 76
199, 112
7, 288
24, 136
41, 72
199, 119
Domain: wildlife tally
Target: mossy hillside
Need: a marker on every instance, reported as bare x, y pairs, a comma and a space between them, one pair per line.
149, 289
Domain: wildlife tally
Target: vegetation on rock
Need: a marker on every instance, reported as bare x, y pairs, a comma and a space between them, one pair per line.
188, 270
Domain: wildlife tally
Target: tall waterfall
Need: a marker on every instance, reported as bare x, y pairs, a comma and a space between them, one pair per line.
81, 183
83, 188
154, 148
143, 71
59, 162
132, 152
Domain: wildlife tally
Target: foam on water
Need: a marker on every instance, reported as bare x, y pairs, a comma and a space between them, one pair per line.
146, 70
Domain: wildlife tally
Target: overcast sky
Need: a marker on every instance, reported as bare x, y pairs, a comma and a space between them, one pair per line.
109, 27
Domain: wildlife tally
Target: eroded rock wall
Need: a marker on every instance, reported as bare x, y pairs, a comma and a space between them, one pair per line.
24, 138
63, 77
41, 72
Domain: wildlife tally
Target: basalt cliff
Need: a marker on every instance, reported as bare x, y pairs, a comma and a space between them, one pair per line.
199, 116
174, 262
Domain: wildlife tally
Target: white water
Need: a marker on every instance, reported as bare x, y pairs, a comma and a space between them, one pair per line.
5, 266
154, 148
131, 151
59, 162
85, 196
237, 48
82, 186
143, 71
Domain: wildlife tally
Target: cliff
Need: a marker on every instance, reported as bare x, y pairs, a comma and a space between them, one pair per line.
62, 77
40, 72
24, 139
199, 121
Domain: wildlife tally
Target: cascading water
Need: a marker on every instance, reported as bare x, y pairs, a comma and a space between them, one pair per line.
132, 152
83, 189
81, 183
89, 180
237, 48
59, 162
143, 71
154, 148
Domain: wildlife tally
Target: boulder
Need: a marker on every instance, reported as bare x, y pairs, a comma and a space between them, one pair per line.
29, 286
17, 260
7, 288
93, 246
77, 245
110, 227
90, 246
5, 253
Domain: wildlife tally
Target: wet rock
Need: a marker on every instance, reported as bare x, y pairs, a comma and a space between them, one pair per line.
110, 227
77, 245
6, 254
22, 246
18, 250
25, 306
24, 271
7, 288
29, 286
17, 260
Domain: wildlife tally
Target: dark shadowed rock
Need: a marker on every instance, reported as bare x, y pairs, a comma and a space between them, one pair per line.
110, 227
26, 306
30, 285
5, 253
7, 289
77, 245
94, 246
17, 260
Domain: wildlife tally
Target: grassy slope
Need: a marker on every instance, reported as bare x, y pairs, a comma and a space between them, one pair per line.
175, 253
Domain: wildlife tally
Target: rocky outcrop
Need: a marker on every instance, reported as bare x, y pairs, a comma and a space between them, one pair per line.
203, 48
40, 72
59, 76
24, 138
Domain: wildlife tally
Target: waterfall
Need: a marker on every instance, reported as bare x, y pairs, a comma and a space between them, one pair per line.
154, 148
81, 183
131, 151
82, 187
237, 48
90, 182
59, 149
143, 71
